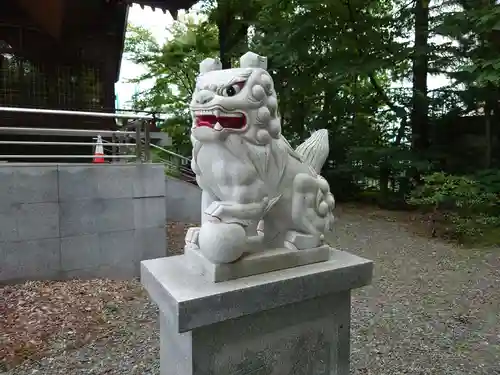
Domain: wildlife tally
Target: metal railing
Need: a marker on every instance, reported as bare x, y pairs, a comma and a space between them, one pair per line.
176, 165
120, 146
40, 111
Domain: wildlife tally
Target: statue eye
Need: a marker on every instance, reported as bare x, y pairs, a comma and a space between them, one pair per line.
233, 89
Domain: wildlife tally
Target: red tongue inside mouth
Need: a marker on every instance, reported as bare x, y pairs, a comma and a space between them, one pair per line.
233, 122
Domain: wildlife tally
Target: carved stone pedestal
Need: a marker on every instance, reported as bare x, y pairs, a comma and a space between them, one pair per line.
254, 264
289, 322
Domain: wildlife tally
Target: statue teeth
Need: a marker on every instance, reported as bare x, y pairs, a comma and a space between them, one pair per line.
224, 114
217, 113
218, 127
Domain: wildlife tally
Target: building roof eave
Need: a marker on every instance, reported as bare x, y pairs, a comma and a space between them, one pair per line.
172, 6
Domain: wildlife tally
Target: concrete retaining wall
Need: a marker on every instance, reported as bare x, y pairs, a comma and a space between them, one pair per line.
183, 201
61, 221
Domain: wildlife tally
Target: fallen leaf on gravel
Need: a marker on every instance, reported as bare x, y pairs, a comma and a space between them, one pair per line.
35, 313
176, 232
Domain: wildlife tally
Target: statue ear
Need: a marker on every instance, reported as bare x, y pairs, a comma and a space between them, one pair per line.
209, 65
252, 60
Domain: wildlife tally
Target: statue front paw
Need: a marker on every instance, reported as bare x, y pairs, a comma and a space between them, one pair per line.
191, 238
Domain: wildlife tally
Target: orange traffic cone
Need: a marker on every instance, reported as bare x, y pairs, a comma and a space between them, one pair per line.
99, 151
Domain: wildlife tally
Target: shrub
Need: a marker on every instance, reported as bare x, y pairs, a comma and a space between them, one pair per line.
469, 207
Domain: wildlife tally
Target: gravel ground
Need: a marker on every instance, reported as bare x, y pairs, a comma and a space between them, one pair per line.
432, 309
175, 236
119, 336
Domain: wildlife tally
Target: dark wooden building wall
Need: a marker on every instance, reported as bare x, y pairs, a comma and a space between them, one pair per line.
67, 59
64, 54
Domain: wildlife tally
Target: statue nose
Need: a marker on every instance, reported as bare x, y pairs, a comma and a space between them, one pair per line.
204, 96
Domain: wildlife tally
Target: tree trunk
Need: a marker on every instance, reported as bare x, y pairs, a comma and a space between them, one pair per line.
231, 32
224, 18
420, 109
488, 116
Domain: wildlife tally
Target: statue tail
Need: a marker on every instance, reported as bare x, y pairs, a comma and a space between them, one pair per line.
314, 150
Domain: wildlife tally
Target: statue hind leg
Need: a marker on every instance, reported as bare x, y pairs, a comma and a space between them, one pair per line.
275, 236
311, 211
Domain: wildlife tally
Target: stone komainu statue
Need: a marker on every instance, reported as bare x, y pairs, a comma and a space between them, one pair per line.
257, 192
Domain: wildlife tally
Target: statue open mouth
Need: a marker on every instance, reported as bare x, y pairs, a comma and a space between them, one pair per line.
219, 120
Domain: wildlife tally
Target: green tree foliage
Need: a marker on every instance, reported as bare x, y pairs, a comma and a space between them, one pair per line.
337, 65
172, 68
333, 63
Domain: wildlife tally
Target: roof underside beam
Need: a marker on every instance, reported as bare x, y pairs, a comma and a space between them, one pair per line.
47, 14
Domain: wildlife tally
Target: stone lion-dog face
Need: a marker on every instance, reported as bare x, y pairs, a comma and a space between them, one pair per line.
235, 101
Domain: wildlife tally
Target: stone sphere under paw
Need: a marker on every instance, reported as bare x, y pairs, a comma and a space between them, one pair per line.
221, 242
